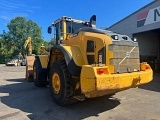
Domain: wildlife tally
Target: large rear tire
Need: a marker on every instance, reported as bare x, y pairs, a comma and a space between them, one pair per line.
60, 84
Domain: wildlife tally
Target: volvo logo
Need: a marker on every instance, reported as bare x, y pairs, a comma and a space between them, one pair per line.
127, 54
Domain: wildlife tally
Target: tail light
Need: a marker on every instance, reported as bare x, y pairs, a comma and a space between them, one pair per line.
100, 71
147, 67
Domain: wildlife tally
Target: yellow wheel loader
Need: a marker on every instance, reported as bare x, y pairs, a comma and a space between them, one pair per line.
30, 59
87, 62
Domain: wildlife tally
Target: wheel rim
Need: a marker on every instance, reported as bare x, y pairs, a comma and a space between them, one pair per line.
34, 73
56, 83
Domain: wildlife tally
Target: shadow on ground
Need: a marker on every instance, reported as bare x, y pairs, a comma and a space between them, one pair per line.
154, 85
37, 102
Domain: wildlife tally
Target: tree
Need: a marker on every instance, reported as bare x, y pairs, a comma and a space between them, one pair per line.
12, 42
2, 55
52, 42
6, 47
20, 29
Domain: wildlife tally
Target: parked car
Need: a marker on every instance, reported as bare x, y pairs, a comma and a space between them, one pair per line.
16, 61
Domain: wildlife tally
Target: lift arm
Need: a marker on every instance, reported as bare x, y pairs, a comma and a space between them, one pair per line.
28, 46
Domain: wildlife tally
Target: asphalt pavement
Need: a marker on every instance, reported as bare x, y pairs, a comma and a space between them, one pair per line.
21, 100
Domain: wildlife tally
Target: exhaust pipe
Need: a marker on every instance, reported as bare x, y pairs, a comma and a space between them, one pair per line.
92, 22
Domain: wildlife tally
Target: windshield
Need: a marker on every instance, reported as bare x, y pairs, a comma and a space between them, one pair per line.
73, 26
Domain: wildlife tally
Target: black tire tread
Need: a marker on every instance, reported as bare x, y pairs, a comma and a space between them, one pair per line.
68, 94
38, 81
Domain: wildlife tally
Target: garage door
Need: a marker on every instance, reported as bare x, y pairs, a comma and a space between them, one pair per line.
149, 45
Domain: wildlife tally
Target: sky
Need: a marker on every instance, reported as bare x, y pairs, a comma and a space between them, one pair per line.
44, 12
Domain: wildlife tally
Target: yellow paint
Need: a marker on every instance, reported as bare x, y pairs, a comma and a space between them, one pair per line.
64, 29
28, 46
77, 56
43, 50
93, 85
68, 49
100, 41
144, 65
56, 54
43, 60
75, 52
56, 84
88, 79
34, 73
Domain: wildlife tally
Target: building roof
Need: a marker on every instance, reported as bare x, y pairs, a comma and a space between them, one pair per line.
133, 13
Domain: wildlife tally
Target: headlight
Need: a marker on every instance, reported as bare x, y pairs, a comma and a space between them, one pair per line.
114, 37
135, 39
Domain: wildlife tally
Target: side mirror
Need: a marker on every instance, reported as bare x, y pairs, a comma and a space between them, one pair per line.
49, 30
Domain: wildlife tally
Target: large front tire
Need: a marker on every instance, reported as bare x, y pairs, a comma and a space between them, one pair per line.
60, 84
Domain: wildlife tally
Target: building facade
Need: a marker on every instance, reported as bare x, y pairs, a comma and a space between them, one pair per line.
144, 25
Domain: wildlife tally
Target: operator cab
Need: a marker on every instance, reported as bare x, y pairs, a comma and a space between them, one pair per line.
66, 26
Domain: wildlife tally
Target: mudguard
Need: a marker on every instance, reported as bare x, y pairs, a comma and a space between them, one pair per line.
73, 68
